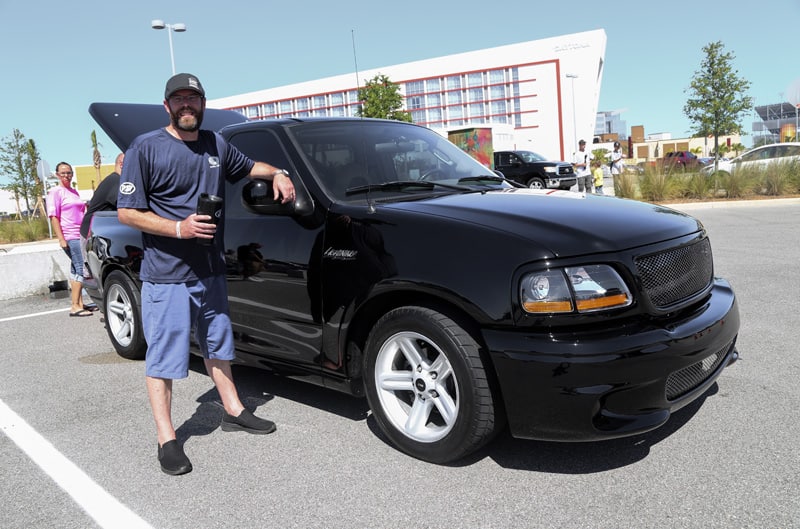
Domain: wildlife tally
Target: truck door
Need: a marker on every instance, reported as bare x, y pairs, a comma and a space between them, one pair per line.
267, 260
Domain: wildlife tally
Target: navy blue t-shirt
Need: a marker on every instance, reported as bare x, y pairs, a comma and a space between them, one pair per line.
166, 175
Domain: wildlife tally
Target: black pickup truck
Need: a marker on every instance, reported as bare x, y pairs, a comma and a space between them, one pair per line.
535, 170
454, 302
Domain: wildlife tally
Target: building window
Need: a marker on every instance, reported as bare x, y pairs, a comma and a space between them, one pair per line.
252, 111
475, 94
453, 98
496, 77
286, 107
415, 87
319, 101
414, 102
337, 99
454, 82
497, 92
418, 116
434, 115
352, 96
455, 112
337, 111
476, 112
498, 107
269, 109
434, 100
433, 85
475, 79
302, 103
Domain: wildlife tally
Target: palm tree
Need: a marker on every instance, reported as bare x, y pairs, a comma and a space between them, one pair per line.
98, 160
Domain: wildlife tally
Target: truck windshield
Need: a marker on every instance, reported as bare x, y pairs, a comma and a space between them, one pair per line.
371, 153
530, 156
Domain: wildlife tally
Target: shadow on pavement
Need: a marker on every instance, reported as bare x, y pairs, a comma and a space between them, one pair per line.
506, 451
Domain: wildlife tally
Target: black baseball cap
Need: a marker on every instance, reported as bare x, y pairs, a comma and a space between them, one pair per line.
582, 141
183, 81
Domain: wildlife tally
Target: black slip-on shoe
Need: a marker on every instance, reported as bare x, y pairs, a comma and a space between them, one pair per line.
173, 460
247, 422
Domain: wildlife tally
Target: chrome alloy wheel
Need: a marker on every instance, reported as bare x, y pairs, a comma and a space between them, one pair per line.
417, 388
119, 315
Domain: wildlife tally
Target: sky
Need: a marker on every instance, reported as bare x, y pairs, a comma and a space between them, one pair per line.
58, 58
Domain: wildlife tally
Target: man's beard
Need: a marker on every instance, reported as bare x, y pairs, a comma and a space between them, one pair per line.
187, 122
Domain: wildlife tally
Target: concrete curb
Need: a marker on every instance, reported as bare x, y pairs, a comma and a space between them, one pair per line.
30, 268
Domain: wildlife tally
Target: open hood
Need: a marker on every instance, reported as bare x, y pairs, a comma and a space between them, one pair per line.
122, 122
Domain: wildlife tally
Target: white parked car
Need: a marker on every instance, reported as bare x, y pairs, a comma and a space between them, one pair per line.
758, 157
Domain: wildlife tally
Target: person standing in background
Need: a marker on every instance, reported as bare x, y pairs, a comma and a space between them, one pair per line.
597, 174
105, 196
66, 209
616, 159
583, 170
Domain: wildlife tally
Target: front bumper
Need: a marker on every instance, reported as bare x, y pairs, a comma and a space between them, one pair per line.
609, 383
560, 183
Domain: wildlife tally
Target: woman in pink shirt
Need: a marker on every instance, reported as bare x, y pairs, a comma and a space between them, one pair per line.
65, 209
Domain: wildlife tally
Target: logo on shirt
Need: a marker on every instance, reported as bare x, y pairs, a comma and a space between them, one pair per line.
213, 162
127, 188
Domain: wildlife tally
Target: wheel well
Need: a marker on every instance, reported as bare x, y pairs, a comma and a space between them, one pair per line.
371, 311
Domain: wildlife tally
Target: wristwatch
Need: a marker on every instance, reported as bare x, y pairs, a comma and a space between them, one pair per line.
280, 171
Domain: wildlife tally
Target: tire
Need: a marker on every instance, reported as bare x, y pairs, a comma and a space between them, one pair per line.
536, 183
122, 308
427, 386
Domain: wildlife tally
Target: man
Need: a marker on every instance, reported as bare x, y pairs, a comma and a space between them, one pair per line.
616, 159
104, 197
184, 287
583, 167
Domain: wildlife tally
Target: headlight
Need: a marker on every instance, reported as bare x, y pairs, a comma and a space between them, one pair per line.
551, 169
583, 289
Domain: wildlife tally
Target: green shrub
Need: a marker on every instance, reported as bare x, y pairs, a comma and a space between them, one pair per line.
625, 185
26, 230
656, 185
739, 183
777, 179
698, 185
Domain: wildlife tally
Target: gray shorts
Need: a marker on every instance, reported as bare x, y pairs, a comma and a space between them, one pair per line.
171, 312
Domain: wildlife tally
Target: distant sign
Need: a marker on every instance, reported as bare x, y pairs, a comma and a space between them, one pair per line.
793, 93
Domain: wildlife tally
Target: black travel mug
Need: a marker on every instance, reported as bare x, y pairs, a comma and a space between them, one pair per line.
209, 205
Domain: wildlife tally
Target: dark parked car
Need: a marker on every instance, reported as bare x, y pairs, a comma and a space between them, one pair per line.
534, 170
453, 301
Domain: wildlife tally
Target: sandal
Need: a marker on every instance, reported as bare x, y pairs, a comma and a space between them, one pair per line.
80, 314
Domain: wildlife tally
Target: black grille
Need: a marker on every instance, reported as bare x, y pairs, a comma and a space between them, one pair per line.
685, 380
676, 274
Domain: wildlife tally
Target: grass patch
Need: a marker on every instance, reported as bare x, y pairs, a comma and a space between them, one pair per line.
26, 230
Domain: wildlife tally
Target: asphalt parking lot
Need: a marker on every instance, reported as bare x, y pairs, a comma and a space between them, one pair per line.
79, 448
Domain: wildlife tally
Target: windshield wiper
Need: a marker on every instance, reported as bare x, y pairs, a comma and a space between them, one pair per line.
402, 184
489, 178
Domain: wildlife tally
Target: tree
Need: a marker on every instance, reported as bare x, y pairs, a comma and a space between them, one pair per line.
18, 160
717, 96
380, 98
96, 158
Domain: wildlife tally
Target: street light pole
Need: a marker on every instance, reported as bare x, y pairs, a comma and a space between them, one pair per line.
178, 28
572, 77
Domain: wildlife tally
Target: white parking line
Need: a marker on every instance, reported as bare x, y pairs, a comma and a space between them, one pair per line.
106, 510
33, 315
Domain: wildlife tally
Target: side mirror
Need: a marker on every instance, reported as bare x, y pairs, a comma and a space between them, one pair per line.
257, 197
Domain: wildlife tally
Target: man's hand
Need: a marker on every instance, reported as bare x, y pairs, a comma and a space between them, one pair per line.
283, 187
